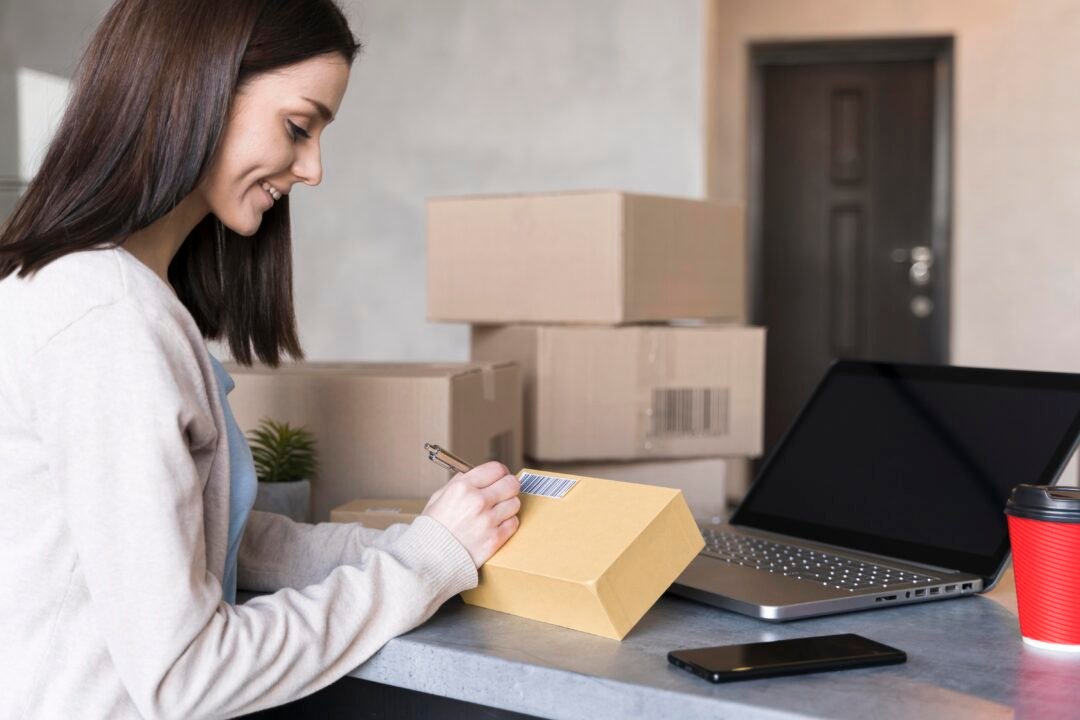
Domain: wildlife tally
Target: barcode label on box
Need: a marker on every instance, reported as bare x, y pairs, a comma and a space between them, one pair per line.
545, 485
690, 412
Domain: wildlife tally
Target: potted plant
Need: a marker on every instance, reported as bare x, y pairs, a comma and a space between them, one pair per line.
285, 463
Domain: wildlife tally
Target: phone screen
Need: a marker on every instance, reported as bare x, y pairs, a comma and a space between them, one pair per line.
784, 657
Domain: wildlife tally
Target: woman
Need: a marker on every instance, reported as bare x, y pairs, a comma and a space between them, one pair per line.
159, 218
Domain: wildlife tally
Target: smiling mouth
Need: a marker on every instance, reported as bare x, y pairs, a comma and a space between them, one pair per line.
274, 193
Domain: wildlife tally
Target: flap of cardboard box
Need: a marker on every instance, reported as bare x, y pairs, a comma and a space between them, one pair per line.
371, 369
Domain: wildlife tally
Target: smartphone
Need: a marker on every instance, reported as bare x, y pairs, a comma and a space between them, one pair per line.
726, 663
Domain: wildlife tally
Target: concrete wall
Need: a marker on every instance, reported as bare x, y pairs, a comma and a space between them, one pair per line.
457, 96
40, 44
49, 35
9, 121
466, 96
9, 128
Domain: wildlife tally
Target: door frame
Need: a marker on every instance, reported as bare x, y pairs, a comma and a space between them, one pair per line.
938, 49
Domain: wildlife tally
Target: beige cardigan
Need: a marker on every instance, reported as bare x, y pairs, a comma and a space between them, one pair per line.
114, 508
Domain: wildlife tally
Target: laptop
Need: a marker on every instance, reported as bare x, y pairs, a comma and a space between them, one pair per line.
888, 489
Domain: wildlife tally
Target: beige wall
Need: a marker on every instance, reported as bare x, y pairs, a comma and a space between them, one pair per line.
1016, 178
1016, 281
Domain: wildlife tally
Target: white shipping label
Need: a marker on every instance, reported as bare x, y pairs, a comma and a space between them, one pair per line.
545, 485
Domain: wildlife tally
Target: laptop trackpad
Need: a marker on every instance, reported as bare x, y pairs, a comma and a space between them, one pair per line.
750, 585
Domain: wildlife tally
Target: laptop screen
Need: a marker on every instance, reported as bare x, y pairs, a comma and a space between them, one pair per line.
916, 462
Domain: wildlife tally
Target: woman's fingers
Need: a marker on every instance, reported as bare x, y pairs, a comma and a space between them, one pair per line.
505, 509
505, 487
479, 508
484, 475
506, 529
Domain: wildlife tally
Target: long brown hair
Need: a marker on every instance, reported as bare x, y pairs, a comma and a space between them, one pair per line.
150, 104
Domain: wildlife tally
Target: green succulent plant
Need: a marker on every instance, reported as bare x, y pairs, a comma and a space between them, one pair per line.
282, 453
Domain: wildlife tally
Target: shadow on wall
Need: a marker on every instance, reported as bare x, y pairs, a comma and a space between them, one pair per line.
9, 140
31, 106
10, 189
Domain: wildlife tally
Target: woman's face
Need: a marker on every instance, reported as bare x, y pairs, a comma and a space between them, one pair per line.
271, 141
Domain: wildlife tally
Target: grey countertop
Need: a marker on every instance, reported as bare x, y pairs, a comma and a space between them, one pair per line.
965, 660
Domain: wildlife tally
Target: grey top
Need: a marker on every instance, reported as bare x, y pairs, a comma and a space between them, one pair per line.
965, 659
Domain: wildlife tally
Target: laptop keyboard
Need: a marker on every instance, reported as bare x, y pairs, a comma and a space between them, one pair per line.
804, 564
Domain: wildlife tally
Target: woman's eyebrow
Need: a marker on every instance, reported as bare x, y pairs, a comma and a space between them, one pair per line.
327, 116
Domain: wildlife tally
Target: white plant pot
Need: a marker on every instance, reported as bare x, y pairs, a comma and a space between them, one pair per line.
291, 499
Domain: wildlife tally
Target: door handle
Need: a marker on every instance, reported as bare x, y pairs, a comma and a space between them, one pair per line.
922, 261
919, 273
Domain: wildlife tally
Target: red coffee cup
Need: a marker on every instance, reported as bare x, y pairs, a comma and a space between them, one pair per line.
1044, 528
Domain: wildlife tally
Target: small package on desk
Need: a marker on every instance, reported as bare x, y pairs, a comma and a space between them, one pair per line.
379, 513
591, 555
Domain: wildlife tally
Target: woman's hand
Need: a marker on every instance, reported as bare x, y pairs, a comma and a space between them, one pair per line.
479, 508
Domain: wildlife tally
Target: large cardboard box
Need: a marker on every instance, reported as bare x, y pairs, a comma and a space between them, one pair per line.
371, 421
740, 475
637, 392
584, 257
701, 480
594, 559
379, 513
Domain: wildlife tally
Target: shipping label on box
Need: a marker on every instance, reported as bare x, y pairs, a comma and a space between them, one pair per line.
589, 554
371, 420
584, 257
622, 393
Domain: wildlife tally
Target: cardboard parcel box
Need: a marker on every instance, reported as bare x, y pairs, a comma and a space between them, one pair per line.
740, 475
627, 393
371, 420
701, 480
379, 513
602, 257
594, 559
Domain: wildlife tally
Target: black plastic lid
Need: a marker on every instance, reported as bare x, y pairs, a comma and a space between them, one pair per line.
1038, 502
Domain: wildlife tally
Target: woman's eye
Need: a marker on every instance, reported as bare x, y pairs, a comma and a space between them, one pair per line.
295, 130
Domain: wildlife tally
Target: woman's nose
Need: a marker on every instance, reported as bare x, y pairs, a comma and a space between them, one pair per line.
308, 167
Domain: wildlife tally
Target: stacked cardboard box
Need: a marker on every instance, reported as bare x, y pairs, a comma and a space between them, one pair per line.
625, 313
371, 421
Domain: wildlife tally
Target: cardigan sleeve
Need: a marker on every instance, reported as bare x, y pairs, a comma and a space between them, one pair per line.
277, 552
117, 404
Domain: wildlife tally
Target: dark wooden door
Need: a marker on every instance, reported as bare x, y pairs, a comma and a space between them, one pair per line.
847, 259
